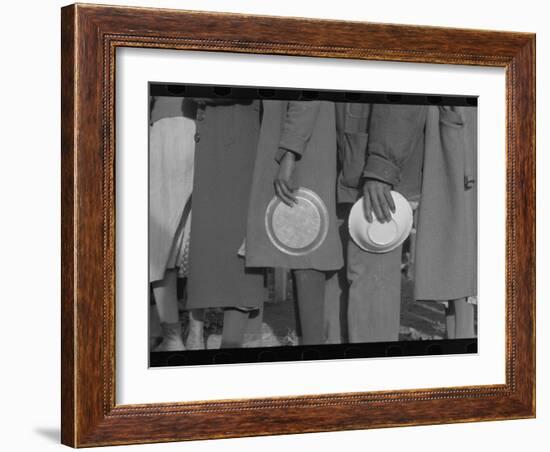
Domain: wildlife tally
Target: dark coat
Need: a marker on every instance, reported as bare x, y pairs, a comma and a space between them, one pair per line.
352, 134
306, 128
352, 126
227, 138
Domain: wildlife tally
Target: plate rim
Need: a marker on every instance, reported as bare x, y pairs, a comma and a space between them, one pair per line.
400, 241
323, 231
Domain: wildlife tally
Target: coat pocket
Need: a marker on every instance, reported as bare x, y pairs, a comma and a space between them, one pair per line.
457, 154
450, 118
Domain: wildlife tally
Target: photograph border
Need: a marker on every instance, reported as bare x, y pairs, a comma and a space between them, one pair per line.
420, 346
90, 35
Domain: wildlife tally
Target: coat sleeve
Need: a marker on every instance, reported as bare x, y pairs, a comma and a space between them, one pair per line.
298, 125
393, 133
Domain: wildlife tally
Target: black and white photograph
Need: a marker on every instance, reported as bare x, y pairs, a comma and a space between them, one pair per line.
235, 225
296, 219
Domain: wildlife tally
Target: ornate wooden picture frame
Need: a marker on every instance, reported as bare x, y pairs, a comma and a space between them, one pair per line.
90, 37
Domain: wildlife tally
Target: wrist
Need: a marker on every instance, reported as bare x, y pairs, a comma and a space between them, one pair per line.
285, 154
289, 155
374, 179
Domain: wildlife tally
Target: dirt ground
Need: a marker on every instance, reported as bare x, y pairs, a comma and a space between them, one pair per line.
276, 325
419, 320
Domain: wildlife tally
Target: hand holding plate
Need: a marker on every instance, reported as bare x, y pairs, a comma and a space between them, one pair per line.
377, 197
282, 182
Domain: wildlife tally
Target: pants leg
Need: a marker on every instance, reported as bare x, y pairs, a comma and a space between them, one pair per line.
460, 319
374, 295
165, 292
235, 322
255, 320
336, 295
333, 297
310, 290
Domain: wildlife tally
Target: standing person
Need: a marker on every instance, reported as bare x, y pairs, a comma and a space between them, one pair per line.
171, 160
297, 148
226, 144
371, 281
446, 243
351, 132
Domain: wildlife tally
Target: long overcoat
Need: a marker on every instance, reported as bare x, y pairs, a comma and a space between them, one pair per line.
227, 139
446, 241
308, 129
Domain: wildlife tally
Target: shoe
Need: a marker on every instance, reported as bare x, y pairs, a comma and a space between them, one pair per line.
171, 338
195, 334
195, 340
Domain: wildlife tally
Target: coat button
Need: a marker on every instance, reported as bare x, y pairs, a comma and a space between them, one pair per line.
197, 137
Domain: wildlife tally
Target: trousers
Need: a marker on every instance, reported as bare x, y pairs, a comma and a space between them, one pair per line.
363, 300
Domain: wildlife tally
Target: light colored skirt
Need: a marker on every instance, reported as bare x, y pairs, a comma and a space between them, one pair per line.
171, 162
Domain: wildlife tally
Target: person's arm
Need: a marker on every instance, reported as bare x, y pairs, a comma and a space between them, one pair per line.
298, 126
394, 130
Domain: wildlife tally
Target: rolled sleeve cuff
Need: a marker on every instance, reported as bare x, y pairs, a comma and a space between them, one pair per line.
292, 142
279, 154
379, 168
282, 151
